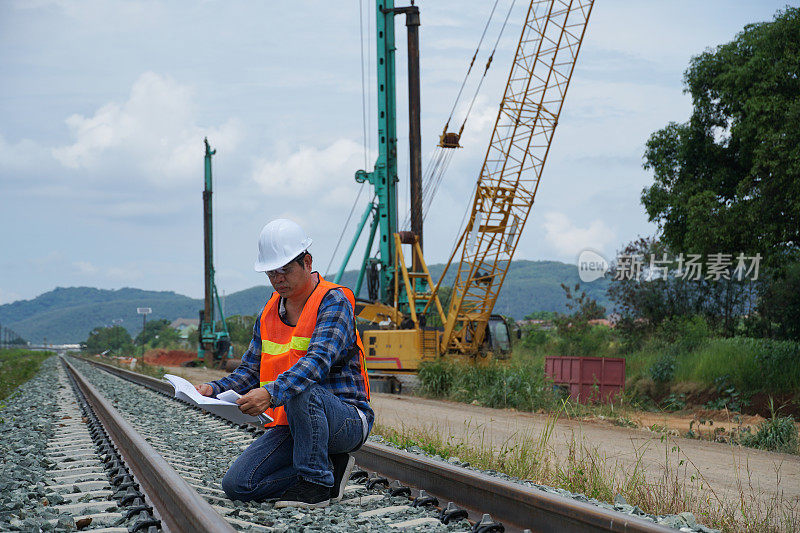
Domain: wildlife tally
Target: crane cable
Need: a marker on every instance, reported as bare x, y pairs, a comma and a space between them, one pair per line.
488, 64
471, 63
440, 159
364, 130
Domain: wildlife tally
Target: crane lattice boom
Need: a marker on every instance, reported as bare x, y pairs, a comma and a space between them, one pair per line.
543, 64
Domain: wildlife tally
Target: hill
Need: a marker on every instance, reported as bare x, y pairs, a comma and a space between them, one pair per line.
69, 314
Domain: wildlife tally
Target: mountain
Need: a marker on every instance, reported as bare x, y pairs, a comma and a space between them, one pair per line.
69, 314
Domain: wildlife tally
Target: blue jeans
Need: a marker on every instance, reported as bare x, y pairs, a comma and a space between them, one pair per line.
320, 423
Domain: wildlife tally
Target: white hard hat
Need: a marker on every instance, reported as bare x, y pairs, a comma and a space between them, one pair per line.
280, 241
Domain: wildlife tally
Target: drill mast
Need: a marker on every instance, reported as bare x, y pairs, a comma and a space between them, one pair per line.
214, 346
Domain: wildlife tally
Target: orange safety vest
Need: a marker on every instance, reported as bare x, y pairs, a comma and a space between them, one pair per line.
282, 346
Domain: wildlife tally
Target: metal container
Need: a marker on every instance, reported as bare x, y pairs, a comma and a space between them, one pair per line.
588, 379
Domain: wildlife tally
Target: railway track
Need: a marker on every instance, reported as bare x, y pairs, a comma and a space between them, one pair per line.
92, 489
392, 490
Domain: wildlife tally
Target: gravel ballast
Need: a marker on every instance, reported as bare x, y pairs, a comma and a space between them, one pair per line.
53, 476
201, 447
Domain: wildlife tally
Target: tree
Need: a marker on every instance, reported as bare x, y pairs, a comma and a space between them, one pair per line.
779, 305
728, 180
158, 334
116, 338
645, 299
574, 328
582, 309
540, 315
240, 328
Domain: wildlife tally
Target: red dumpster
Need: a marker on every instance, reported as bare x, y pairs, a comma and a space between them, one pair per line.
588, 379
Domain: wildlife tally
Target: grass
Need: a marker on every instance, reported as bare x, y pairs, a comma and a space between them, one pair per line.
18, 366
519, 385
580, 467
751, 365
679, 363
777, 433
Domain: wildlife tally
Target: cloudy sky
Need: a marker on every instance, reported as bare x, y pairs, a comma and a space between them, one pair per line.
104, 105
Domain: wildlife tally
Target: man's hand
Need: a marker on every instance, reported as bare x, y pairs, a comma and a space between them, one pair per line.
254, 402
205, 389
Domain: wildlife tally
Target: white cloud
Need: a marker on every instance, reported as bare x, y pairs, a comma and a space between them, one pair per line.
568, 239
154, 130
85, 267
119, 273
22, 155
310, 172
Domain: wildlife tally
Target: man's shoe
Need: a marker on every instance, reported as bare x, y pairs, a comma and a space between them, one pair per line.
305, 494
342, 466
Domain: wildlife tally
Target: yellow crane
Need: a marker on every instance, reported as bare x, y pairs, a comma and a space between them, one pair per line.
504, 194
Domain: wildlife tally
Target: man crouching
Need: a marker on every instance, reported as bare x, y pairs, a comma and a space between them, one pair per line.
305, 368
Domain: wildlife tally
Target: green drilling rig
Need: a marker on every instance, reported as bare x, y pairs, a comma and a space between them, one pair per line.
215, 344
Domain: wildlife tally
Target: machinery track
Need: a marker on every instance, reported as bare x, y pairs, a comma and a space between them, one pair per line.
402, 491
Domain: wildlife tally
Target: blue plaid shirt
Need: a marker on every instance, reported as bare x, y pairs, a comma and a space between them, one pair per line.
332, 360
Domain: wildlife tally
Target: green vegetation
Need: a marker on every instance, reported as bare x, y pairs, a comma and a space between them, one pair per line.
519, 385
158, 334
728, 179
114, 339
541, 315
778, 434
749, 365
18, 366
240, 329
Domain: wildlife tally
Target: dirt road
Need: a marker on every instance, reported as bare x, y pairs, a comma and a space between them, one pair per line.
729, 471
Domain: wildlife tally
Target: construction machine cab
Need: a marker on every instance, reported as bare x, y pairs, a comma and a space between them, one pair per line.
498, 339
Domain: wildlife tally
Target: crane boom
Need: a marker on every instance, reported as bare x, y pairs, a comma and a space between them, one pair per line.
537, 84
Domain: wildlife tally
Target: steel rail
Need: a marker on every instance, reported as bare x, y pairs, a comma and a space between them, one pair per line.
179, 506
513, 504
517, 506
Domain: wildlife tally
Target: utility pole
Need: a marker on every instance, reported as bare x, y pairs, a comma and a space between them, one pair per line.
144, 311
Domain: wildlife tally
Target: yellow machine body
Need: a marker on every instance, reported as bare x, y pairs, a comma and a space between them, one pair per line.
400, 350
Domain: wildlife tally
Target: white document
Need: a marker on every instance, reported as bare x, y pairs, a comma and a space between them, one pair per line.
223, 405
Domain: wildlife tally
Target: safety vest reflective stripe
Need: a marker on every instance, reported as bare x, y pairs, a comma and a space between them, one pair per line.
278, 355
297, 343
